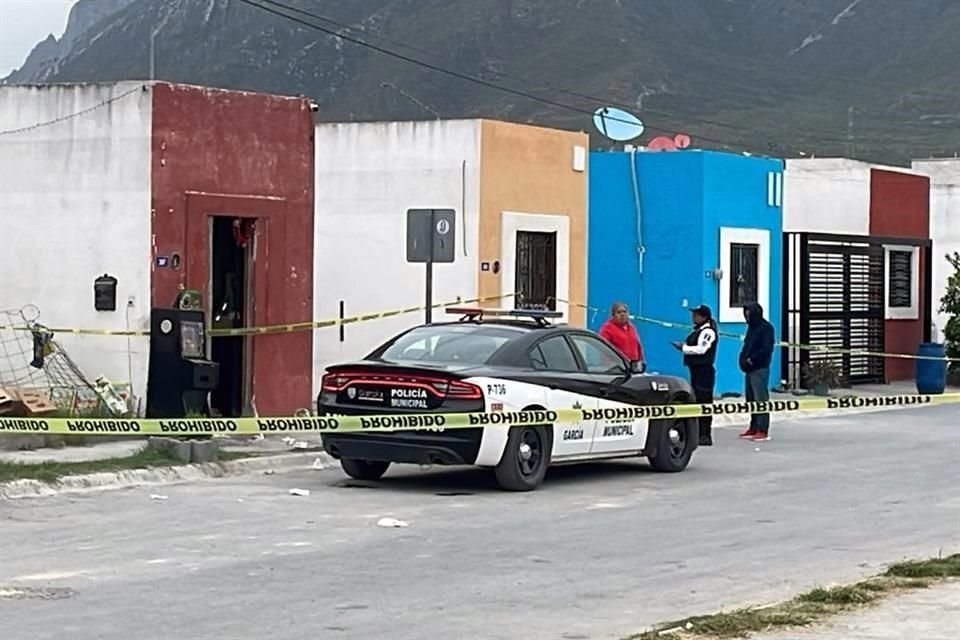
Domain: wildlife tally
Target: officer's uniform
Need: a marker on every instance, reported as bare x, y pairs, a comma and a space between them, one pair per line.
699, 355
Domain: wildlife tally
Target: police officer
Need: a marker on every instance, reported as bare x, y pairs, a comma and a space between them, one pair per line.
699, 354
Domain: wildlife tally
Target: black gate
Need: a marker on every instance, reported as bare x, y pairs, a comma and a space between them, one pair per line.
833, 297
535, 283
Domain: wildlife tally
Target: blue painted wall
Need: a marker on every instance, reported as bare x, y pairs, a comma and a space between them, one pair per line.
685, 197
735, 195
611, 237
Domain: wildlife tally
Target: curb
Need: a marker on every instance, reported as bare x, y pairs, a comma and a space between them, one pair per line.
18, 489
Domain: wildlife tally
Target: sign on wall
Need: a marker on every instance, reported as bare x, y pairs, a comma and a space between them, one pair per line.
431, 235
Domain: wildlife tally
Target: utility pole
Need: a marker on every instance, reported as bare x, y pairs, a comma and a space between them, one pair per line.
851, 148
153, 51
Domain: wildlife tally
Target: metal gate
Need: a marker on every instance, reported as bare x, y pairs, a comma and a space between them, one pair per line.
833, 297
535, 282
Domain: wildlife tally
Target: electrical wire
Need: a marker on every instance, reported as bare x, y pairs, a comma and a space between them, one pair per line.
71, 116
267, 6
842, 140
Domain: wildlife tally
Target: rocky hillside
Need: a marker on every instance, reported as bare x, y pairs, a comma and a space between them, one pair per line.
872, 78
43, 63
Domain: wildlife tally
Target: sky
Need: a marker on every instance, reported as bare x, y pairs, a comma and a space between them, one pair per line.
24, 23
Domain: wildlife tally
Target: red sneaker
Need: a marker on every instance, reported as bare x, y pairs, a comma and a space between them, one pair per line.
760, 436
749, 433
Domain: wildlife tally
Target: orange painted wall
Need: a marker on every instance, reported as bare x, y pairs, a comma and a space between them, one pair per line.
525, 169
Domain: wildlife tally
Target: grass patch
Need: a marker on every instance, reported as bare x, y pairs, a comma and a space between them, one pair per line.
53, 471
812, 606
860, 593
948, 567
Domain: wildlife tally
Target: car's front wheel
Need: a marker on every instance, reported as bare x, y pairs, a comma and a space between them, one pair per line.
525, 459
364, 469
675, 443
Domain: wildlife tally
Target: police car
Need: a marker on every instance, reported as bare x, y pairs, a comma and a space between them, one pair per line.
494, 361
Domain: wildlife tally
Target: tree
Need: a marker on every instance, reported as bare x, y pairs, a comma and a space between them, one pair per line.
950, 304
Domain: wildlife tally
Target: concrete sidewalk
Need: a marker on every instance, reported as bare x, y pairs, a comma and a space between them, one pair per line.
124, 448
258, 455
930, 614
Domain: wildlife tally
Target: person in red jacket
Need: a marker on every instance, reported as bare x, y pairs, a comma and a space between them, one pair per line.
620, 332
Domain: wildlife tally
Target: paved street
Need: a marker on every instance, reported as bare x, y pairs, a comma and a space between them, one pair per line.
601, 551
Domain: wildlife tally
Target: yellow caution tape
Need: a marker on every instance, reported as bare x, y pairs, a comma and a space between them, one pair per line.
367, 317
790, 345
268, 329
443, 421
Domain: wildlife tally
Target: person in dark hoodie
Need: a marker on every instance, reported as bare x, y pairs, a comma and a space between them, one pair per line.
755, 360
699, 354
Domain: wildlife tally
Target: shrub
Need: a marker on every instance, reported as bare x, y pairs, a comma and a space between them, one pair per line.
950, 305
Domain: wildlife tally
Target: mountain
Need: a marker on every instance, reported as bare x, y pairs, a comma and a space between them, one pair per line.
43, 62
875, 79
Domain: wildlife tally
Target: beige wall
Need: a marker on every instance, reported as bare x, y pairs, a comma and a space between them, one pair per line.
529, 171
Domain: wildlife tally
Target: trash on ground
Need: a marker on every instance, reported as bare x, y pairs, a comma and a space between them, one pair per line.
301, 445
269, 472
391, 523
318, 464
157, 496
300, 492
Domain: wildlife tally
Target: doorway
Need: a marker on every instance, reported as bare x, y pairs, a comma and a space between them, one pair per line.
834, 295
536, 270
231, 307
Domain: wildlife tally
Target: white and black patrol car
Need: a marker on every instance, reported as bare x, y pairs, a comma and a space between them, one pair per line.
504, 361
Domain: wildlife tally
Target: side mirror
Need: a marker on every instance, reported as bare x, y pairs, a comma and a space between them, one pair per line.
636, 367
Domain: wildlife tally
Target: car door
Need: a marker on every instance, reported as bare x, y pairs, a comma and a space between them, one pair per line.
556, 367
608, 370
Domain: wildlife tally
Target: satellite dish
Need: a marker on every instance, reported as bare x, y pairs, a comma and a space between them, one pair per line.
663, 143
617, 124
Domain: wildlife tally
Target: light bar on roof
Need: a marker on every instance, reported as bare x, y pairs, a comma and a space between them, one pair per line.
535, 313
466, 311
501, 313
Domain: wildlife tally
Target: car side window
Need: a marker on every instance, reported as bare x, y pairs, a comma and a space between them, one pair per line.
598, 357
553, 354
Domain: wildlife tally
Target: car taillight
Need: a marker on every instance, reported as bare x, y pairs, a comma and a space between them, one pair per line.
334, 382
458, 389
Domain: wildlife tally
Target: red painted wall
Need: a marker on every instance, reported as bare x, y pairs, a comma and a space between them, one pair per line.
246, 155
900, 207
899, 204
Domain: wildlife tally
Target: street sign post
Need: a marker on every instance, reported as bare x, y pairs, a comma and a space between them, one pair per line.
431, 237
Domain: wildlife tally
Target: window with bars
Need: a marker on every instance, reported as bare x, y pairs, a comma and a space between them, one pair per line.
900, 280
744, 273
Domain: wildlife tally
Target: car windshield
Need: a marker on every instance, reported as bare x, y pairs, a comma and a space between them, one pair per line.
448, 344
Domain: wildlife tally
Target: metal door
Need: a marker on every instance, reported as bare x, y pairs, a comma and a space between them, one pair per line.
834, 297
535, 282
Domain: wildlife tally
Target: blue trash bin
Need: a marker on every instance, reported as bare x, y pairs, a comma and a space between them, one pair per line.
931, 374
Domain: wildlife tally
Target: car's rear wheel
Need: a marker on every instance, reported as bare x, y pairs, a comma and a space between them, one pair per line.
364, 469
525, 459
675, 445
